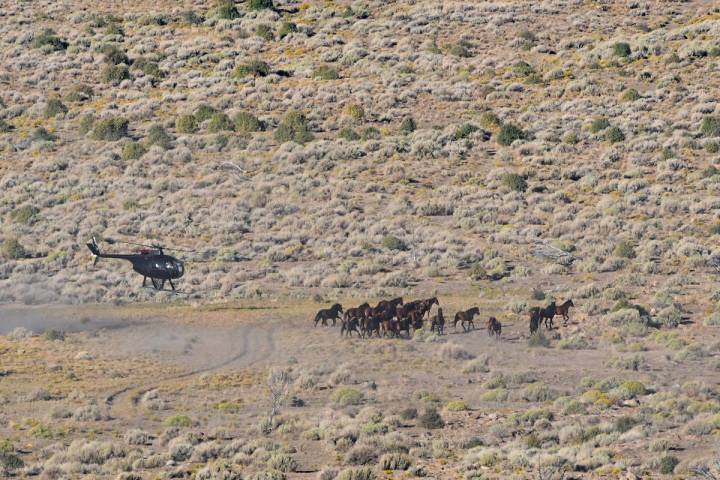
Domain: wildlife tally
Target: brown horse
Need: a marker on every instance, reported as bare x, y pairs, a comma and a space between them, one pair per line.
437, 322
332, 313
426, 305
348, 326
535, 317
357, 312
494, 328
388, 304
564, 310
466, 317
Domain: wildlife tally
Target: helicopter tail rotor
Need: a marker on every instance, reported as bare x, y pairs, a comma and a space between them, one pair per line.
94, 250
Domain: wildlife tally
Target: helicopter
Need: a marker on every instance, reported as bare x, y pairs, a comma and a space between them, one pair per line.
151, 262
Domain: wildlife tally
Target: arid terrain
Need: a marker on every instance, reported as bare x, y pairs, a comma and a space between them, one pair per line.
493, 154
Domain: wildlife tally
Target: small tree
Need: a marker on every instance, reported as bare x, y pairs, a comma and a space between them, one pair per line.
12, 249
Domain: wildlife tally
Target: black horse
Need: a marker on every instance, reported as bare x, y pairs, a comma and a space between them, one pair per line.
535, 314
332, 313
547, 314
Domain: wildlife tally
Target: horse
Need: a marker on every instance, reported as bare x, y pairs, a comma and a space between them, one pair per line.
547, 314
368, 325
535, 317
388, 304
357, 312
437, 322
494, 328
426, 305
466, 317
332, 313
348, 326
564, 310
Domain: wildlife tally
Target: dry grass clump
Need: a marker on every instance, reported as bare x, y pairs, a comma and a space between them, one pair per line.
453, 351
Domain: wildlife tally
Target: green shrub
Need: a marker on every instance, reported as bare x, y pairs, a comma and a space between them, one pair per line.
714, 229
12, 249
133, 151
523, 69
464, 131
24, 215
293, 127
204, 112
672, 58
158, 136
114, 28
599, 124
623, 424
355, 111
114, 56
190, 17
54, 335
186, 124
4, 126
408, 125
259, 4
710, 126
115, 73
409, 413
457, 406
345, 396
286, 29
256, 68
621, 49
48, 39
632, 389
80, 93
282, 462
514, 182
247, 122
325, 72
9, 461
712, 147
220, 122
509, 133
110, 129
490, 121
395, 461
54, 107
371, 133
538, 339
391, 242
226, 10
349, 134
148, 67
624, 249
630, 95
86, 123
459, 50
41, 133
668, 464
356, 473
180, 421
431, 419
614, 135
265, 32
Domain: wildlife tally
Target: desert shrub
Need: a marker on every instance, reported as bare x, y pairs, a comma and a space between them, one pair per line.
624, 249
571, 138
49, 40
114, 28
631, 389
478, 365
490, 121
220, 122
391, 242
259, 4
12, 249
712, 147
349, 134
286, 29
41, 133
54, 107
293, 127
408, 125
265, 32
459, 50
624, 423
630, 95
137, 437
256, 68
115, 73
282, 462
395, 461
355, 111
456, 406
538, 339
430, 419
132, 151
409, 413
220, 470
514, 182
614, 135
713, 319
80, 93
86, 123
24, 215
358, 473
180, 421
325, 72
345, 396
523, 69
464, 131
204, 112
621, 49
247, 123
509, 133
186, 124
9, 461
361, 455
54, 335
370, 133
226, 10
190, 17
4, 126
157, 135
148, 67
710, 127
599, 124
538, 392
113, 55
453, 351
668, 464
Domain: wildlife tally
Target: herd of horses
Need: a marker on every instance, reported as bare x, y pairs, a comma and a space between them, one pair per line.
393, 317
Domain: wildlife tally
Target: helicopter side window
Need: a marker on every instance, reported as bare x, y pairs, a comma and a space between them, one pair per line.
169, 265
157, 265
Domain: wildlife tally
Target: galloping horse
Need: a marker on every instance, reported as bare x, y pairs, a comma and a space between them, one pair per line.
348, 326
547, 314
466, 317
437, 322
494, 328
564, 310
357, 312
332, 313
